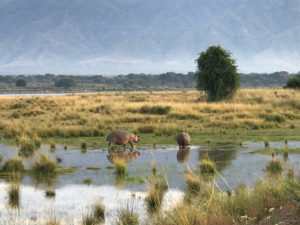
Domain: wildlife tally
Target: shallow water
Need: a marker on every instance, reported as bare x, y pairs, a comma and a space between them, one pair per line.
235, 164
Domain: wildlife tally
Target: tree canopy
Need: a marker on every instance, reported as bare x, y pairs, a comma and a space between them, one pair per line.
293, 82
21, 83
65, 82
217, 73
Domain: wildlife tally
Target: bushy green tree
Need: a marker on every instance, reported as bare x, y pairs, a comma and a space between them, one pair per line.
294, 82
217, 73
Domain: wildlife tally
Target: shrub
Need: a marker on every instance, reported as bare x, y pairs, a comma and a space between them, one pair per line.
1, 157
120, 166
160, 110
15, 115
44, 165
274, 166
274, 118
12, 166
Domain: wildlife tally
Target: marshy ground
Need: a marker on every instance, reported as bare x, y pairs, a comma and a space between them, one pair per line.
227, 176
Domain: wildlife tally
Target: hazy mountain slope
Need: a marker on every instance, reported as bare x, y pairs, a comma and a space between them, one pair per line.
116, 36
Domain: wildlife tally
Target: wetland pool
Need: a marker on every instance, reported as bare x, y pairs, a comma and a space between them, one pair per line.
236, 164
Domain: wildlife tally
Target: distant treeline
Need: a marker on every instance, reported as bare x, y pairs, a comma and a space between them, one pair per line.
131, 82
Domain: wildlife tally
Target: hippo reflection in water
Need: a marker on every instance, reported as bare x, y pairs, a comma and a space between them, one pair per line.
126, 156
122, 138
183, 155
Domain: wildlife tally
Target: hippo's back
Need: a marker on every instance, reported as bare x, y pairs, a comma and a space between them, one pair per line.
119, 137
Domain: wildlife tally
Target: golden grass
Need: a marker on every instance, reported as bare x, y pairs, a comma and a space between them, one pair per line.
80, 115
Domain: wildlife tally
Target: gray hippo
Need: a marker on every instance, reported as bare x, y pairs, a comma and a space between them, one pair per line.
122, 138
183, 139
126, 156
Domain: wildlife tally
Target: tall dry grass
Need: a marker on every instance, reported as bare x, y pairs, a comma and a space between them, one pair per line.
81, 115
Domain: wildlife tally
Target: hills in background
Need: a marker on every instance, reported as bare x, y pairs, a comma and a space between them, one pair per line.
133, 36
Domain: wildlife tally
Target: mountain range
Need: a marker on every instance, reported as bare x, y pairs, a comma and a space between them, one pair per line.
139, 36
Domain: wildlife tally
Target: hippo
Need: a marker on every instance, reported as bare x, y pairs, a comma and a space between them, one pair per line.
122, 138
183, 139
126, 156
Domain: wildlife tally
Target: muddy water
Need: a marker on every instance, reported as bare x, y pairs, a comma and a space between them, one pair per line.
72, 198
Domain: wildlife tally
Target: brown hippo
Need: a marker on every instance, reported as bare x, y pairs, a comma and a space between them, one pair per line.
126, 156
183, 139
122, 138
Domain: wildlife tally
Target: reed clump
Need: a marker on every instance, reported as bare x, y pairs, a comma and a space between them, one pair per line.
44, 165
213, 206
27, 147
158, 187
127, 217
14, 165
193, 183
98, 210
14, 196
37, 141
120, 166
207, 167
274, 166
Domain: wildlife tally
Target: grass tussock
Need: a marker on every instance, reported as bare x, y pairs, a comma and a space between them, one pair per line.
37, 141
127, 217
26, 146
207, 167
274, 166
14, 196
44, 165
158, 187
98, 210
193, 183
213, 206
50, 194
120, 166
14, 165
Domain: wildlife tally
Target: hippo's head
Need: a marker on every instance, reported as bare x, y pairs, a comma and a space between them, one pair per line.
136, 138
